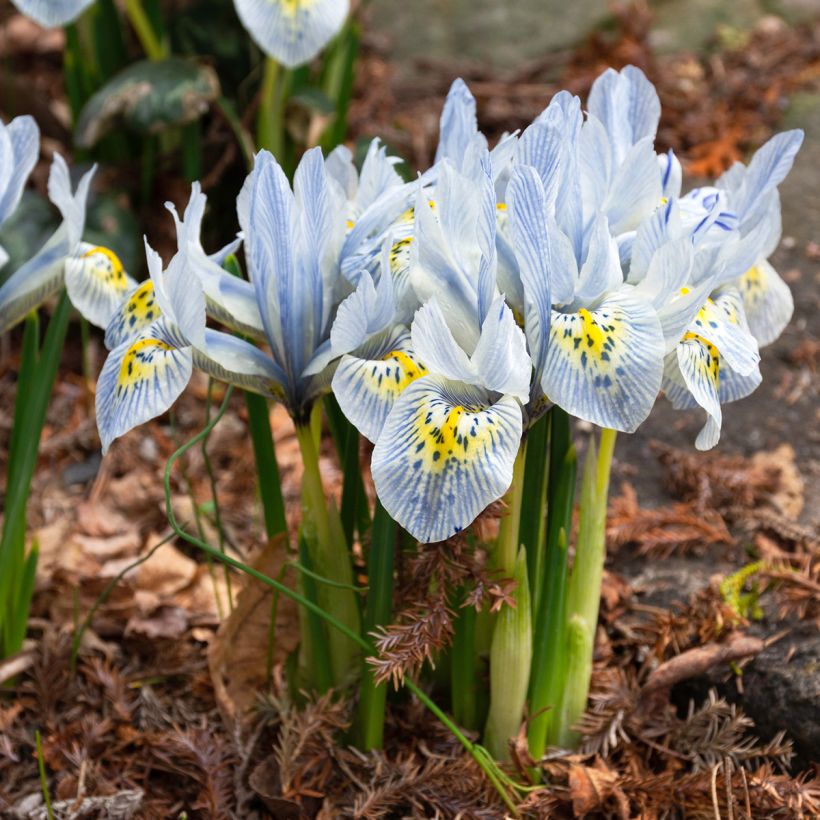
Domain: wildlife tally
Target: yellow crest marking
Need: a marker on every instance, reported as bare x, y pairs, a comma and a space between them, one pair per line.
105, 265
444, 434
138, 362
709, 362
410, 369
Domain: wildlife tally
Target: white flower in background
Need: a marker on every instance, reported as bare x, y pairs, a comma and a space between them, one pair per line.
293, 32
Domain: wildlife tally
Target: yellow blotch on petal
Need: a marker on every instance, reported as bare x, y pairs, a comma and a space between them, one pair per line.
138, 362
457, 434
709, 363
106, 266
409, 370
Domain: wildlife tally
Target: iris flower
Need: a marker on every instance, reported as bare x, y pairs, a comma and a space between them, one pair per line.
44, 274
717, 360
293, 32
446, 448
159, 334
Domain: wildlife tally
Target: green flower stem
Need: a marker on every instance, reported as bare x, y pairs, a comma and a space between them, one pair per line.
270, 130
506, 551
533, 534
510, 659
373, 697
267, 469
505, 787
464, 669
584, 592
153, 47
549, 668
511, 644
330, 558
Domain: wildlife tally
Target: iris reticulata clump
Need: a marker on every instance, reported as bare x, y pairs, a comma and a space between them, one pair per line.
562, 268
563, 271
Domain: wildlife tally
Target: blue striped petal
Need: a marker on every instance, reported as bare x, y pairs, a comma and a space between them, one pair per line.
627, 105
445, 453
52, 13
767, 302
635, 191
601, 270
97, 283
366, 384
458, 123
604, 365
534, 251
141, 379
436, 346
235, 361
293, 32
767, 170
500, 359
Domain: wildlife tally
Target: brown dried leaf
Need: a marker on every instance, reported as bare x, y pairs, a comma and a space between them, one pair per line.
236, 657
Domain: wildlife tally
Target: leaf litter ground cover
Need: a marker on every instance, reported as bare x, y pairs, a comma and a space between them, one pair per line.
151, 724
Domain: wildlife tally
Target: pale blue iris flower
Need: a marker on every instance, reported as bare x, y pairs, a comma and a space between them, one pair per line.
596, 341
446, 448
44, 274
733, 228
159, 334
52, 13
93, 276
293, 32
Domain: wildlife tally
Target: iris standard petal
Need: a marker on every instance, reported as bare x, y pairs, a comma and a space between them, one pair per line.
141, 379
97, 283
436, 346
367, 383
458, 123
605, 364
533, 250
500, 359
767, 302
768, 168
445, 453
601, 271
635, 191
293, 32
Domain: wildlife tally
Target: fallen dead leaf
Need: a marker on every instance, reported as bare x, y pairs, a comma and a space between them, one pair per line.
592, 786
163, 622
236, 656
167, 571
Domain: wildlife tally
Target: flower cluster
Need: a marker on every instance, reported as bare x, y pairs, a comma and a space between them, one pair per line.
564, 266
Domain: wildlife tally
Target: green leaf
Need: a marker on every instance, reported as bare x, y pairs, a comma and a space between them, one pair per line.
148, 97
